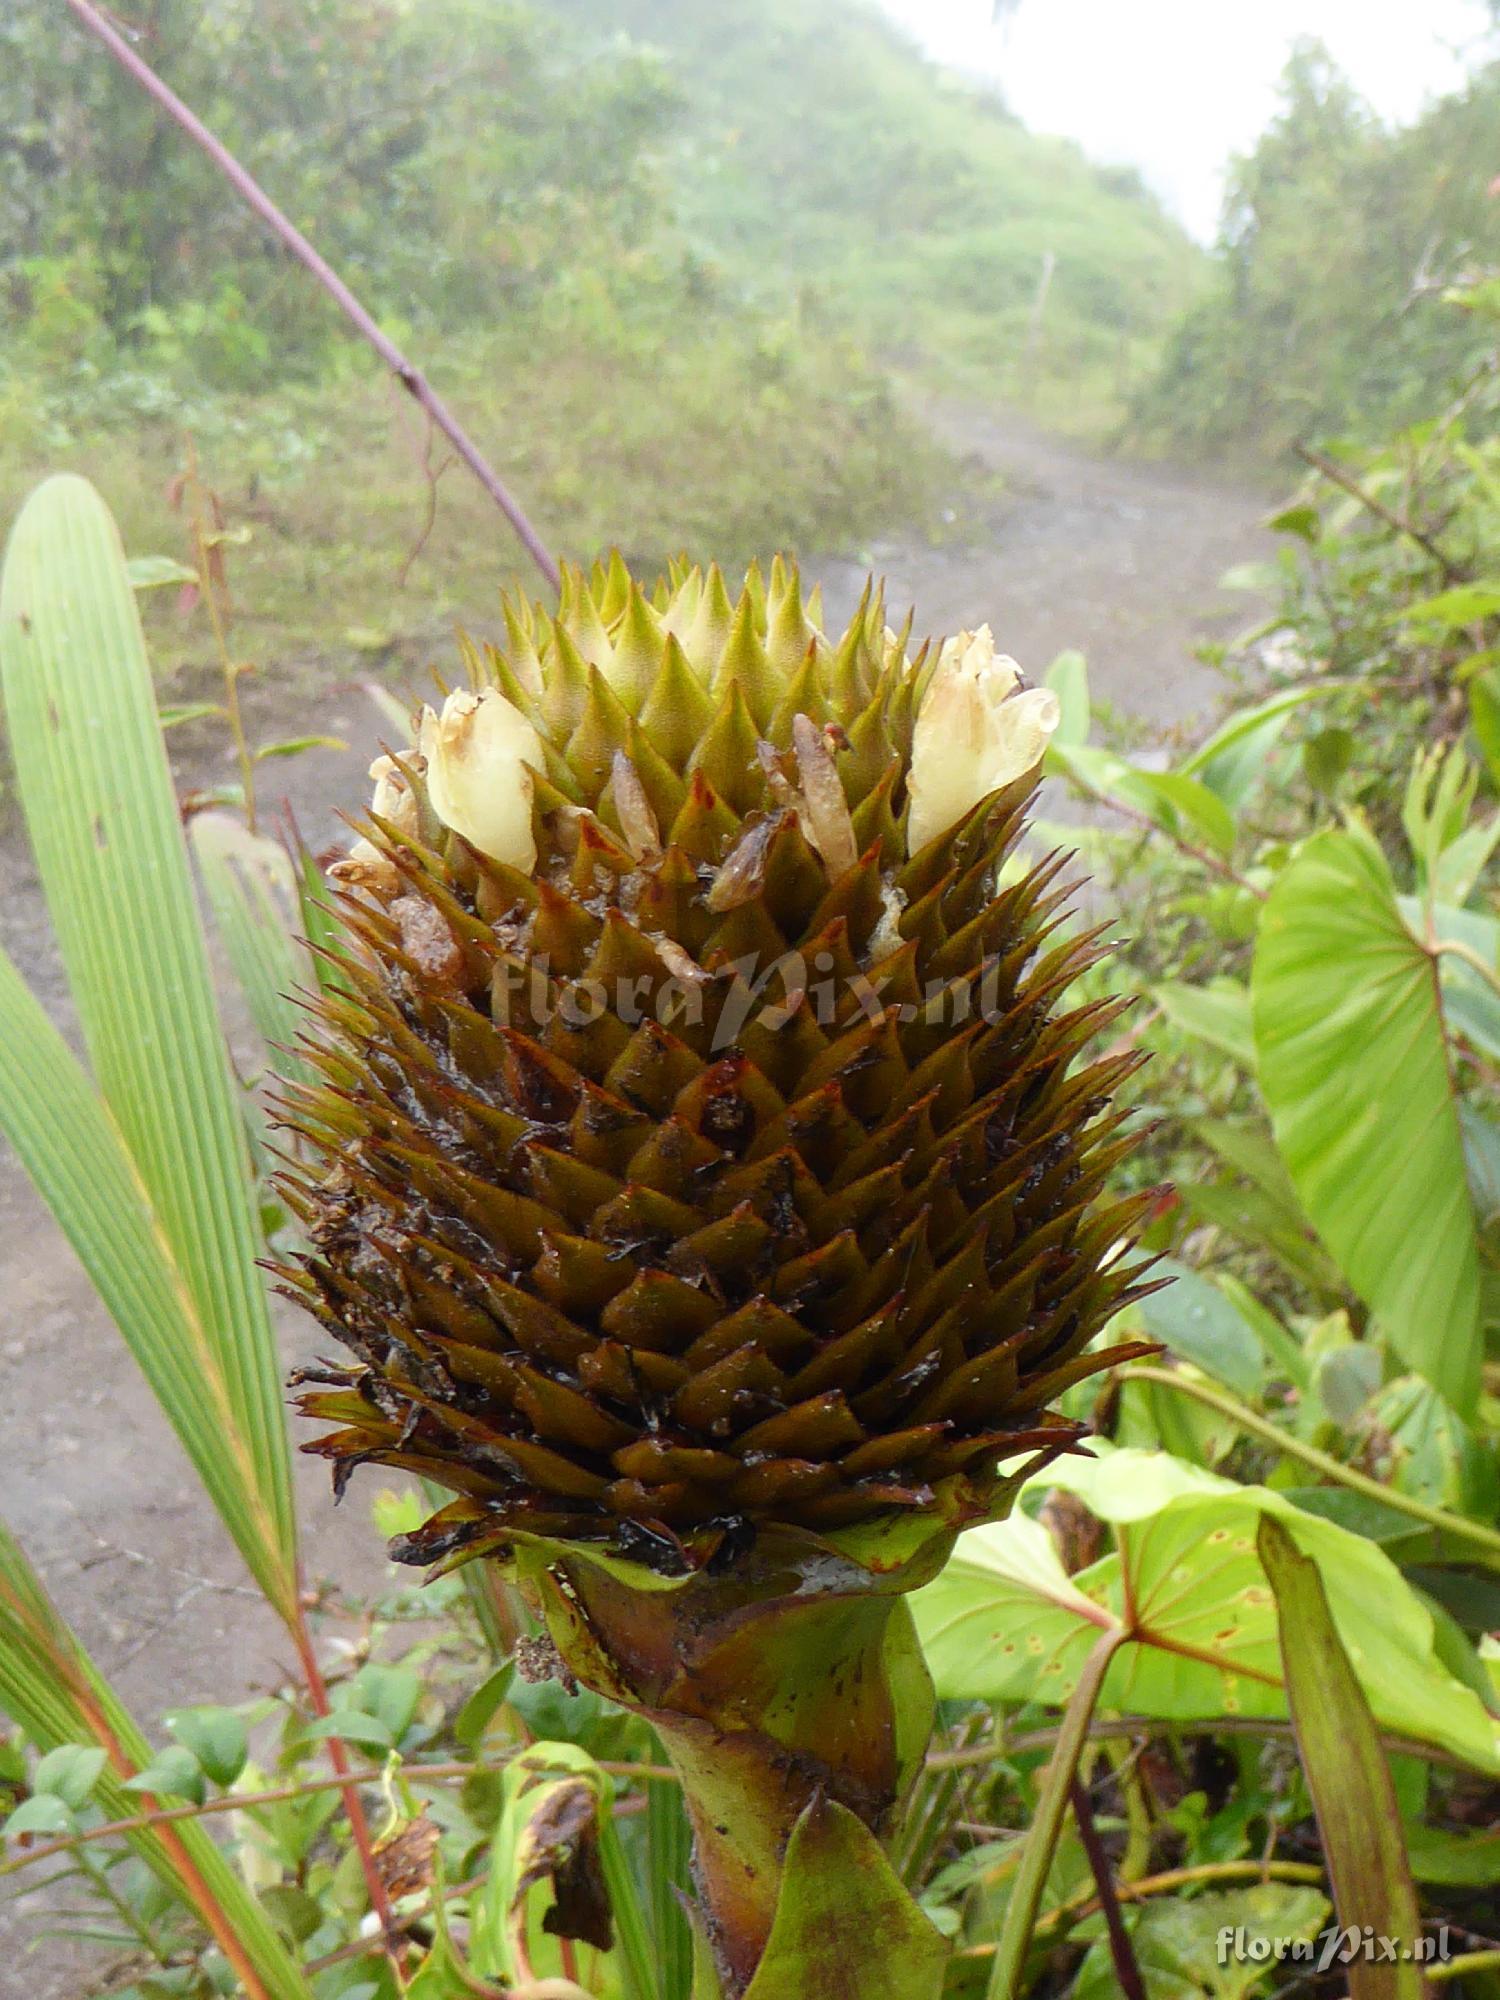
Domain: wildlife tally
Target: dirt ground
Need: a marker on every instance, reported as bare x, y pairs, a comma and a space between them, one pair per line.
1120, 560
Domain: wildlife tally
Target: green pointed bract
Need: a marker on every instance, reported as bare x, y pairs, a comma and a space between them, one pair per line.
731, 1171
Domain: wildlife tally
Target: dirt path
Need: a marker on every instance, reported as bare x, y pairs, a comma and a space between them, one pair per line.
1119, 560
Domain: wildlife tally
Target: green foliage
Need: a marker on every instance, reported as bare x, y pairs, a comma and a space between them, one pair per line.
1185, 1587
1353, 1065
584, 171
91, 1755
1176, 1942
1322, 948
500, 185
1339, 236
456, 156
1313, 895
726, 441
821, 150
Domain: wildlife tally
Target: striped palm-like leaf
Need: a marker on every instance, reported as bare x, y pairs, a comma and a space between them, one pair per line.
728, 1167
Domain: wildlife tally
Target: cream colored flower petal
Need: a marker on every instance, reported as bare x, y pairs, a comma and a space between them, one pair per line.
393, 800
974, 733
477, 754
973, 654
827, 822
1027, 722
637, 820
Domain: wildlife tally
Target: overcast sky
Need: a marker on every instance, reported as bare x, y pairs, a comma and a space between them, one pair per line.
1176, 86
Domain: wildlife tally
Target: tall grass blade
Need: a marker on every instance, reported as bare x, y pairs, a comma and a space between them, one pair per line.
669, 1842
68, 1143
97, 793
1053, 1798
638, 1967
52, 1689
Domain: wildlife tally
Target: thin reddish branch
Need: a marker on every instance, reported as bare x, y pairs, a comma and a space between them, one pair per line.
250, 191
1330, 468
338, 1756
1127, 1971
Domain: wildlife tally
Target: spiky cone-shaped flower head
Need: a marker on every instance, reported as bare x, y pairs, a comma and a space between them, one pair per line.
704, 1180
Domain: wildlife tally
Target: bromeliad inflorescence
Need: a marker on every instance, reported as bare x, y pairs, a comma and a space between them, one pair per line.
704, 1188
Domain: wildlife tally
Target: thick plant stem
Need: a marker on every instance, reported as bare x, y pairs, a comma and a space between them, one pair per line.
1046, 1828
765, 1700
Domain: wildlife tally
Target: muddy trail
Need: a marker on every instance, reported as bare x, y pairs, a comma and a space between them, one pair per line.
1053, 546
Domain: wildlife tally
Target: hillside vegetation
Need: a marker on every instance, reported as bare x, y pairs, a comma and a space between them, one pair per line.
1342, 239
663, 257
818, 147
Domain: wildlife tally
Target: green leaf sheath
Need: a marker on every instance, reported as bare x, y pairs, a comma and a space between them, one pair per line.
1347, 1774
845, 1928
795, 1677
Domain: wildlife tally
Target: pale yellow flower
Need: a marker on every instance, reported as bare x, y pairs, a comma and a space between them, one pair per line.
481, 752
367, 866
977, 730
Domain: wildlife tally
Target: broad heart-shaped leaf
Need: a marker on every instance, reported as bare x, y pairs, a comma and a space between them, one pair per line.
1346, 1772
92, 771
845, 1927
1470, 1005
1005, 1622
1353, 1066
